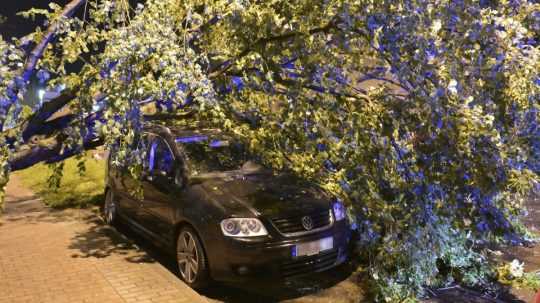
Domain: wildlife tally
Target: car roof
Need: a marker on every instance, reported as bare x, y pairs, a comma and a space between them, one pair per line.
183, 131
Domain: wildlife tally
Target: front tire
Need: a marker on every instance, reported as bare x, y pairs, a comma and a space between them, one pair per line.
191, 259
110, 209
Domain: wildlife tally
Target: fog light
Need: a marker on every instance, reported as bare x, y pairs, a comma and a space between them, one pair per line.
243, 270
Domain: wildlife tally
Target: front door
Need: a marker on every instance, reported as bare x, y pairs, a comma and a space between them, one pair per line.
156, 211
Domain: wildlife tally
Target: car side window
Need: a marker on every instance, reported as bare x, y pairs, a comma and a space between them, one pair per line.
137, 153
160, 157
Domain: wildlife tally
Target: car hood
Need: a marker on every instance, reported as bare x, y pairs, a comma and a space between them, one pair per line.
265, 194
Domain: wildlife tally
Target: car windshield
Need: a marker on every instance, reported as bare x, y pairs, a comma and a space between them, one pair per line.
205, 154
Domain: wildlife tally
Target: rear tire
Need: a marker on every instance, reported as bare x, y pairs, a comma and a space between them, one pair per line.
191, 259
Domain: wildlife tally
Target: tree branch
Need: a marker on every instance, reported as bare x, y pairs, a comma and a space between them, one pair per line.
227, 64
47, 150
47, 145
37, 120
37, 52
39, 49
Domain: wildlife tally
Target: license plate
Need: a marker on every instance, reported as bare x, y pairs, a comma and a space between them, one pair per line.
313, 248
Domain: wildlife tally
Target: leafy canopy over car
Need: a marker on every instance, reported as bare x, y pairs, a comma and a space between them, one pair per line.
421, 115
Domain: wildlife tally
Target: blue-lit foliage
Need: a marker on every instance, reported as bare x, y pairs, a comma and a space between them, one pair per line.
422, 116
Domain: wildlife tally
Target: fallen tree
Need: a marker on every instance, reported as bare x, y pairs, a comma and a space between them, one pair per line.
422, 116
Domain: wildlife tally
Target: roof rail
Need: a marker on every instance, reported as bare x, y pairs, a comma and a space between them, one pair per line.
160, 127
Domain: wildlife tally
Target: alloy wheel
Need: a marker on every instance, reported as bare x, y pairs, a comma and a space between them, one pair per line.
187, 256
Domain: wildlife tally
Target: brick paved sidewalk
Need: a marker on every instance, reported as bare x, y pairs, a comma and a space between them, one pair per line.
70, 256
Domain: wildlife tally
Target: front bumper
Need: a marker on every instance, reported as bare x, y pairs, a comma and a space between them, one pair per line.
239, 260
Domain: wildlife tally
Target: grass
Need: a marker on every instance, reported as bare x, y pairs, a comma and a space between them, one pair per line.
75, 190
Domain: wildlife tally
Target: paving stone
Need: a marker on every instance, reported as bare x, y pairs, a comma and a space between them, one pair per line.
70, 256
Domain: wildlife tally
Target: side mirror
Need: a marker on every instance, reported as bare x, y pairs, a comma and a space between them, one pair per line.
151, 176
146, 175
161, 173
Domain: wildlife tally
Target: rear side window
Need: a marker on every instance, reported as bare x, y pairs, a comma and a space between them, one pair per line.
136, 154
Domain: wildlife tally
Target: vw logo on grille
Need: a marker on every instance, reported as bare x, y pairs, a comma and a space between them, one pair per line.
307, 223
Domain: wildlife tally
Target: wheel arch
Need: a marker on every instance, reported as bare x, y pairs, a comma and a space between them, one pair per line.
185, 223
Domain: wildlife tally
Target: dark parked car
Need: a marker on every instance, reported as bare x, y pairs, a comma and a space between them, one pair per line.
226, 217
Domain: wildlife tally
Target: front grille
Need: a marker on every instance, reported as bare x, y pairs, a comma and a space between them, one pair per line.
306, 265
293, 224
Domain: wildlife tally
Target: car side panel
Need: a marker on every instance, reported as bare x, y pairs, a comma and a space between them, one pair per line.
161, 194
204, 216
160, 201
122, 184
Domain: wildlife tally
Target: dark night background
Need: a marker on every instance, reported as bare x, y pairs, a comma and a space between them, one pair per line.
17, 26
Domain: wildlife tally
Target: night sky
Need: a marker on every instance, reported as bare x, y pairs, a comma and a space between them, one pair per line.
17, 26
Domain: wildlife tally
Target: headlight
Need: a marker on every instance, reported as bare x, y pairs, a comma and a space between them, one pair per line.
340, 212
243, 227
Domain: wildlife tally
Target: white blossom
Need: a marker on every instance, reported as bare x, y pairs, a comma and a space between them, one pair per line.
452, 87
516, 268
436, 26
